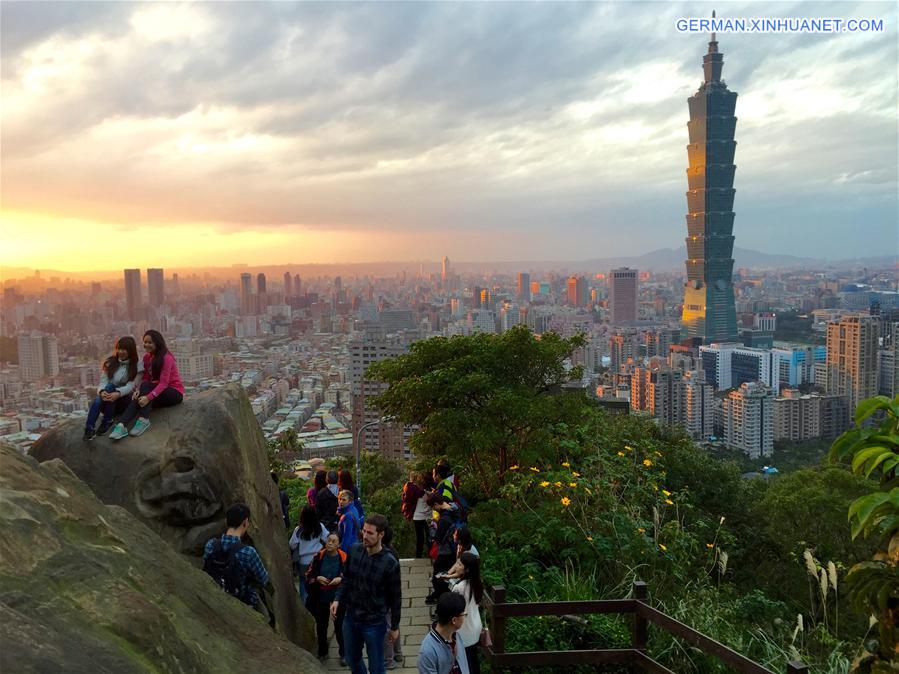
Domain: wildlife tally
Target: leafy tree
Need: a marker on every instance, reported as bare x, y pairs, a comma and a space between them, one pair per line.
486, 401
874, 585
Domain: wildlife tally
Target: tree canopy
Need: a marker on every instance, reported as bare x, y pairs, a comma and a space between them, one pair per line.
485, 401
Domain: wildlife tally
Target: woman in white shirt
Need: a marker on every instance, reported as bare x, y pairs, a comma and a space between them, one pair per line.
306, 542
472, 589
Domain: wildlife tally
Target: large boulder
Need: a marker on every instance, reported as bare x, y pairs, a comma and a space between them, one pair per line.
86, 587
180, 477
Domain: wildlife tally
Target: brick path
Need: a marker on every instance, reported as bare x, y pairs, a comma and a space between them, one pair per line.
415, 621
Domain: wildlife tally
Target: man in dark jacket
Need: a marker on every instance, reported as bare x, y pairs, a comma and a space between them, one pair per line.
371, 589
326, 508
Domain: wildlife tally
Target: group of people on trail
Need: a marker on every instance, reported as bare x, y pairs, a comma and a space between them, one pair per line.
130, 387
349, 574
439, 516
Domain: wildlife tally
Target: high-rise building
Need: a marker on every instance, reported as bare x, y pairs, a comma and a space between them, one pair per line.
577, 291
388, 438
288, 284
261, 294
800, 417
623, 295
698, 405
709, 310
716, 362
445, 271
38, 356
889, 361
623, 346
297, 285
852, 358
524, 287
748, 416
657, 389
795, 363
247, 303
156, 287
133, 295
509, 317
481, 320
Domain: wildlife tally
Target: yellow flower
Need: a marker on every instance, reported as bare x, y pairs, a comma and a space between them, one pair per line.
647, 463
572, 484
566, 501
655, 487
663, 547
658, 454
544, 483
536, 470
666, 492
590, 538
620, 453
515, 467
558, 484
575, 473
587, 489
629, 448
566, 464
530, 576
642, 530
668, 501
710, 545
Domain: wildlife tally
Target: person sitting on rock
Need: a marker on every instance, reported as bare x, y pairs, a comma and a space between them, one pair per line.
240, 571
348, 526
119, 377
161, 387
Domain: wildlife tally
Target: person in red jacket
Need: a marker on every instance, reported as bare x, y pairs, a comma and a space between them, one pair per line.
417, 511
161, 387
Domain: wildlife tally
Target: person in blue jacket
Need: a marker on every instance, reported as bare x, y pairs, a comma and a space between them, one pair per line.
348, 525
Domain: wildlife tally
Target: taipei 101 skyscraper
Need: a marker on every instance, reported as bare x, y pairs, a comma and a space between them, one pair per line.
709, 293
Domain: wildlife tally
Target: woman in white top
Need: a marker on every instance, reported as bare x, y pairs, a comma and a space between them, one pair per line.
120, 374
471, 588
306, 542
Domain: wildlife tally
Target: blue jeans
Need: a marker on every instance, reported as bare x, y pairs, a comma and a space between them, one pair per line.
107, 408
372, 635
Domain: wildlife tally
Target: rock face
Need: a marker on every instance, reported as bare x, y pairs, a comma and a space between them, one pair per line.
179, 478
86, 587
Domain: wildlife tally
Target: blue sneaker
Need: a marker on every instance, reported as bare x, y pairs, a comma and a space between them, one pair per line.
140, 426
118, 432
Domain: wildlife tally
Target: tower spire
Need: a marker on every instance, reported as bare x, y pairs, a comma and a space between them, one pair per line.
713, 61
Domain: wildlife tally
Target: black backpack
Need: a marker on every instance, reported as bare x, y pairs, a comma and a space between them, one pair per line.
225, 568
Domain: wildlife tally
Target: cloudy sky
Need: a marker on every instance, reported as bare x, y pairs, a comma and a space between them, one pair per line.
164, 134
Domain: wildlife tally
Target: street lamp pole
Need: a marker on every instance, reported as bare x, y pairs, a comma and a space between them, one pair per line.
359, 452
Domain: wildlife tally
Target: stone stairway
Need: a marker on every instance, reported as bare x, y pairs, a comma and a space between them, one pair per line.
414, 622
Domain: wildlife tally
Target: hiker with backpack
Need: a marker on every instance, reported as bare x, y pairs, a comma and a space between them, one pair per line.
448, 486
325, 573
233, 565
444, 545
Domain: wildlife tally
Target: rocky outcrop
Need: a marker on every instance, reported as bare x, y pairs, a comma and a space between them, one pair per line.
86, 587
180, 477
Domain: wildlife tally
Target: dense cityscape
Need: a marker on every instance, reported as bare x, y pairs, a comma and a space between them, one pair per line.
811, 343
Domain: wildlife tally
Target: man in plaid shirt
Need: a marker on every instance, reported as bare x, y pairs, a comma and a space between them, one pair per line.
371, 588
238, 520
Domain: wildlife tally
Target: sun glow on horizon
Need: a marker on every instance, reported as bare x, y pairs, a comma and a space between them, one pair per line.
73, 244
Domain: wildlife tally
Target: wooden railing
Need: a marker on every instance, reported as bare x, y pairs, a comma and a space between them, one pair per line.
498, 611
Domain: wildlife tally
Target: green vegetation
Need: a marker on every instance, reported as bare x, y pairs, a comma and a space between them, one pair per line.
570, 502
795, 327
874, 584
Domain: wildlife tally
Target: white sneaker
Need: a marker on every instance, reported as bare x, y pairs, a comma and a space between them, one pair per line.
118, 432
140, 426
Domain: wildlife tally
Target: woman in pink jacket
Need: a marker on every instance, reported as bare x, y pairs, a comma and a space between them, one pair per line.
161, 387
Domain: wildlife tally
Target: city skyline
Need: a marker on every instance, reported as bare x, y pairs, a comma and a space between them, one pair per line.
309, 133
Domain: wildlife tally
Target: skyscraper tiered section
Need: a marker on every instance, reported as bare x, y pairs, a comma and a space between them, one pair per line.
709, 310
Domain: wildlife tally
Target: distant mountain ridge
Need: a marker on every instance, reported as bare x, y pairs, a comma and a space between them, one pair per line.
661, 259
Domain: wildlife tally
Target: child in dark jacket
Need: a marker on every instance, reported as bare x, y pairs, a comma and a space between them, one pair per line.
324, 575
